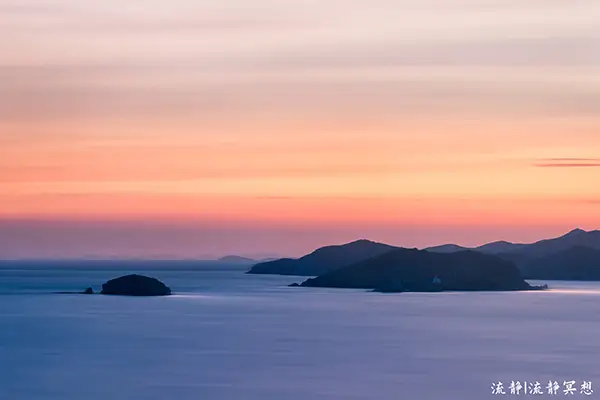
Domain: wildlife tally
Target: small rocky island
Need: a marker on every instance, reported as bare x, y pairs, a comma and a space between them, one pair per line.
86, 291
412, 270
135, 285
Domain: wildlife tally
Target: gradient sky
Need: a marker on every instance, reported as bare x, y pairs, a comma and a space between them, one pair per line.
194, 128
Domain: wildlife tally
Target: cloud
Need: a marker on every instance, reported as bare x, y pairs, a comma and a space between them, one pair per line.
371, 93
565, 159
376, 57
568, 163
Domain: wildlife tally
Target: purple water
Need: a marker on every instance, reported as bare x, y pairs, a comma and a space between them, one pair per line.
231, 336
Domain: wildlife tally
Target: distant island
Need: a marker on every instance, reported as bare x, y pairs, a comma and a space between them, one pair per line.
574, 256
412, 270
237, 260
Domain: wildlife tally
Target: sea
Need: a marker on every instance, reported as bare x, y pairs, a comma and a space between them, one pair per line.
227, 335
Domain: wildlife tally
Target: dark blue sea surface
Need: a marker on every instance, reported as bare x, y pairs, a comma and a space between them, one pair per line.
226, 335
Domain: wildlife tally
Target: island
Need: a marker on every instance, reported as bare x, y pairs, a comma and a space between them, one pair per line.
412, 270
573, 256
324, 259
135, 285
237, 260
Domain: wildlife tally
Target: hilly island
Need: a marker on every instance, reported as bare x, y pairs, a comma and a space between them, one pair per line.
499, 265
422, 271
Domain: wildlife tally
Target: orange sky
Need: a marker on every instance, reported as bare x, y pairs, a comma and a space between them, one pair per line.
313, 123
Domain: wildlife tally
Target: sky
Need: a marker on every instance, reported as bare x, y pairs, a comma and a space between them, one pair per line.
179, 129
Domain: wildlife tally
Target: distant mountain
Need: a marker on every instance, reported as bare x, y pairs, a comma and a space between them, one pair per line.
525, 256
575, 263
573, 256
446, 248
237, 260
577, 237
324, 259
417, 270
500, 247
490, 248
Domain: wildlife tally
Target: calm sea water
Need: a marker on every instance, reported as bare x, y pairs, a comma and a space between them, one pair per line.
231, 336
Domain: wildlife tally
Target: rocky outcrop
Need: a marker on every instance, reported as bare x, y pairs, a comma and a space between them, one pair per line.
135, 285
86, 291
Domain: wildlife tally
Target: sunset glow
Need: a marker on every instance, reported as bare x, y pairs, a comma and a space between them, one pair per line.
289, 123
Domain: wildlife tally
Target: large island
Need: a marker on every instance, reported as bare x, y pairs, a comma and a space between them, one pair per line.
422, 271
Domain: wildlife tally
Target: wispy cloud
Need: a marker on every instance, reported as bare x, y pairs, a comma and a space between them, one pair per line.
185, 57
566, 162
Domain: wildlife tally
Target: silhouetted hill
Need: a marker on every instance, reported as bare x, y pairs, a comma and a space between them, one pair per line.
574, 256
500, 247
490, 248
330, 258
577, 237
324, 259
447, 248
575, 263
507, 250
416, 270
